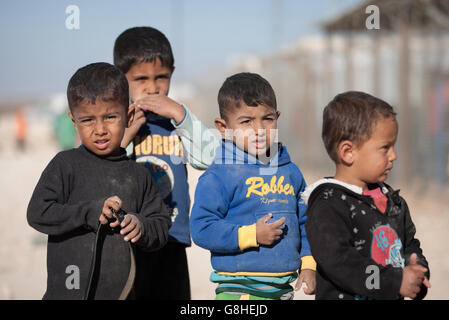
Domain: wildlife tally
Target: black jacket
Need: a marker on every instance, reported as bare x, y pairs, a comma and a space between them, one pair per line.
66, 205
353, 242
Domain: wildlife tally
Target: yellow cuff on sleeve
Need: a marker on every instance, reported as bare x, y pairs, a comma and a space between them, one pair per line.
247, 237
307, 262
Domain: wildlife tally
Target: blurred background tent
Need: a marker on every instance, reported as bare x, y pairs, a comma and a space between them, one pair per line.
405, 62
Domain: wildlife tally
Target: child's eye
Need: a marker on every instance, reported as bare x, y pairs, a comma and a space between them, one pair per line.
244, 122
162, 77
85, 120
111, 117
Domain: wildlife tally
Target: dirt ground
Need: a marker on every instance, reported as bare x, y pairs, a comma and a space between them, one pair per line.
23, 250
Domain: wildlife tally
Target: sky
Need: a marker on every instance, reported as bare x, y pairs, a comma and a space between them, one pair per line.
39, 53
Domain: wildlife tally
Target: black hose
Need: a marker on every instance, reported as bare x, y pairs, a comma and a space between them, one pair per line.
119, 215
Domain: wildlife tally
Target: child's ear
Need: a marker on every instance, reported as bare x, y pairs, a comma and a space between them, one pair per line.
220, 124
71, 117
278, 113
131, 113
346, 152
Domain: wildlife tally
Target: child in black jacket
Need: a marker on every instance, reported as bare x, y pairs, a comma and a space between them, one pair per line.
74, 199
359, 228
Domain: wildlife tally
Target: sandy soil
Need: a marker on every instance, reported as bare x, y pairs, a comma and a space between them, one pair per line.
23, 250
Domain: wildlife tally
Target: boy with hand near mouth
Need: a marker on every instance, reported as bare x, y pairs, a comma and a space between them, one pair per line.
163, 136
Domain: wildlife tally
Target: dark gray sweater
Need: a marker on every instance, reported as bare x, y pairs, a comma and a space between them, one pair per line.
66, 205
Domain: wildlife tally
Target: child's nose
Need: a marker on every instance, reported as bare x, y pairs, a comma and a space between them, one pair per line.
261, 132
393, 155
259, 128
151, 88
100, 127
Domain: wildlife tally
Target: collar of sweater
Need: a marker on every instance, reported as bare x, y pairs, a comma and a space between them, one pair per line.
106, 159
356, 189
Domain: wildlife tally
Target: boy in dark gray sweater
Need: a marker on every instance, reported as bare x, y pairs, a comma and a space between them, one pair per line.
80, 189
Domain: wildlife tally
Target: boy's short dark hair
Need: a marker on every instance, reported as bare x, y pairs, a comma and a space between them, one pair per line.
352, 116
248, 87
99, 80
142, 44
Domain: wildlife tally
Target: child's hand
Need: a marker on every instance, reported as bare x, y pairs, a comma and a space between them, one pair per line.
131, 227
139, 118
267, 233
113, 202
138, 121
308, 277
131, 131
412, 278
161, 105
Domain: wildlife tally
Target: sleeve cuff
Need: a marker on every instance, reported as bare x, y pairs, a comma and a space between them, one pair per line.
93, 214
143, 238
247, 237
307, 262
130, 149
179, 124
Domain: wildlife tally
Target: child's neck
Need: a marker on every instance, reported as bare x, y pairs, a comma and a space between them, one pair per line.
115, 153
344, 174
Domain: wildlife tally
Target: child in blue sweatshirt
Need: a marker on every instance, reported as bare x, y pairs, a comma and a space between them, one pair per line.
248, 210
162, 135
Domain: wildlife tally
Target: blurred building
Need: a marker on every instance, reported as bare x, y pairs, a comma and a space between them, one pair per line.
405, 62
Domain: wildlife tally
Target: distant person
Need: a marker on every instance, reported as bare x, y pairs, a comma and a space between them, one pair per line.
248, 210
163, 134
20, 129
359, 228
64, 131
75, 196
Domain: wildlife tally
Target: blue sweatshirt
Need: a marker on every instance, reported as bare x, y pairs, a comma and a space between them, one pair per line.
233, 193
161, 151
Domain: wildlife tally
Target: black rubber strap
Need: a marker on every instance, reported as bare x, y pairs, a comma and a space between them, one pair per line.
120, 215
93, 264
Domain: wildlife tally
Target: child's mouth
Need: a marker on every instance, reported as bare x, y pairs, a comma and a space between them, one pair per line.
259, 144
101, 144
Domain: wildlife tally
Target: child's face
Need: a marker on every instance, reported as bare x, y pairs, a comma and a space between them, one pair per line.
373, 160
252, 129
145, 78
101, 125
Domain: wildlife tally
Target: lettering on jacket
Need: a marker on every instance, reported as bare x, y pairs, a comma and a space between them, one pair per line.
158, 145
260, 188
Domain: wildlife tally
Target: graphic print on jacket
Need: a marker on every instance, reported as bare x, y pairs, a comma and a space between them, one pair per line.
161, 152
386, 247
